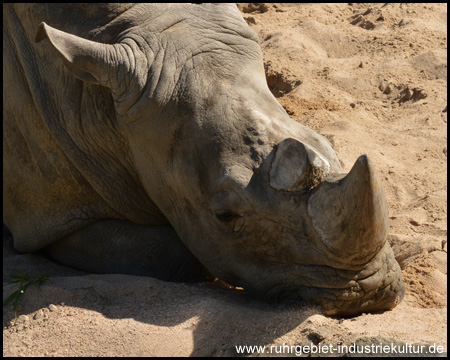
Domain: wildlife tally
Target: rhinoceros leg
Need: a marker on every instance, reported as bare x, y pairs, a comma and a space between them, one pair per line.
117, 246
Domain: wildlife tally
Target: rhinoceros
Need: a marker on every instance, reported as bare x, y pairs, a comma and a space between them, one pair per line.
143, 139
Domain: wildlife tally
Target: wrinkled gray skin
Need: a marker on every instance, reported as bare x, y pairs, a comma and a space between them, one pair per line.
138, 139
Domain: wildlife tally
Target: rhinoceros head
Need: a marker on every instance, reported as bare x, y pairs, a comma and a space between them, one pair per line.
279, 217
259, 199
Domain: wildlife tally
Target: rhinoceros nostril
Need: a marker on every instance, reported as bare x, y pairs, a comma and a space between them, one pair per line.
226, 215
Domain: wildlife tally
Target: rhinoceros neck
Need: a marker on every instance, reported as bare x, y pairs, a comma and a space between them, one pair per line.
74, 166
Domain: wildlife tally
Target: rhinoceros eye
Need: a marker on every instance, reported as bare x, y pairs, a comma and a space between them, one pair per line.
225, 215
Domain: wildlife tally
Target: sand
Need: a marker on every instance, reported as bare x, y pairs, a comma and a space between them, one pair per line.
372, 78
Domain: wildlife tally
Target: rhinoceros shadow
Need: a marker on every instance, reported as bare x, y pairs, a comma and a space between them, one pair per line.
218, 317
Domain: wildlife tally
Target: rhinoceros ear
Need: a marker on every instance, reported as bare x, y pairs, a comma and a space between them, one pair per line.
88, 60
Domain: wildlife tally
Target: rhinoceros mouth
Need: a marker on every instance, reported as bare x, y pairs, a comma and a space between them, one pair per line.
334, 304
369, 290
345, 301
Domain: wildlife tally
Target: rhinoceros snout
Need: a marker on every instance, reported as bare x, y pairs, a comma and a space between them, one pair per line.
349, 217
378, 286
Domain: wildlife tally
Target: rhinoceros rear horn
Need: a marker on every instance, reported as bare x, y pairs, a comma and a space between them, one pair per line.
296, 167
88, 60
350, 213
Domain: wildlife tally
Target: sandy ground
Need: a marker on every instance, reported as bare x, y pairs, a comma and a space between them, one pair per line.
373, 79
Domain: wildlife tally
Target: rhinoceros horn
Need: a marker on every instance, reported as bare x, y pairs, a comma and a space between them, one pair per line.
350, 214
297, 167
